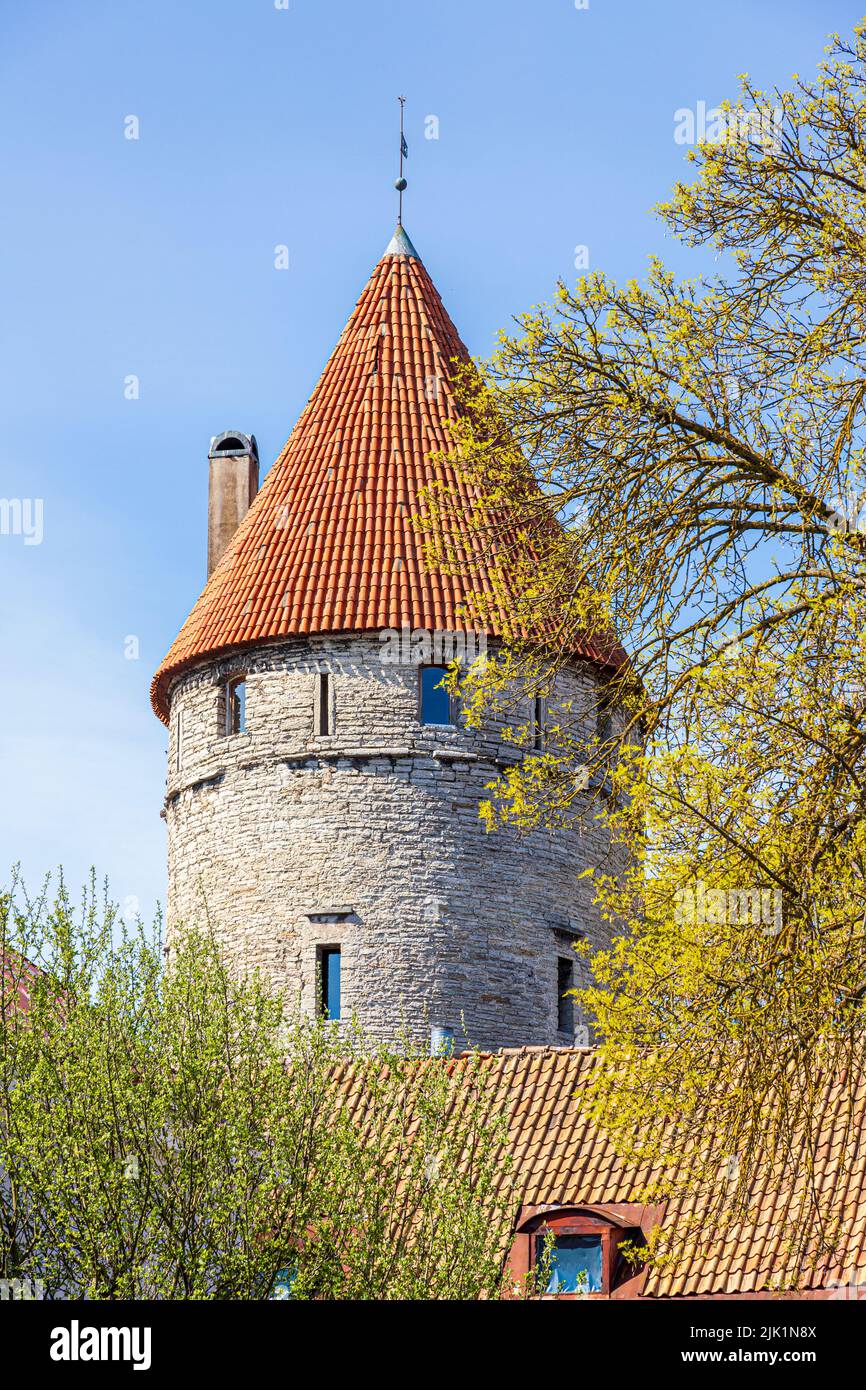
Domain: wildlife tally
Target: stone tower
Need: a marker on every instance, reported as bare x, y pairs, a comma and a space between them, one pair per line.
322, 797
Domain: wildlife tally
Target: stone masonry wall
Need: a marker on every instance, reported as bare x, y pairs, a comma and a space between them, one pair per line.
370, 839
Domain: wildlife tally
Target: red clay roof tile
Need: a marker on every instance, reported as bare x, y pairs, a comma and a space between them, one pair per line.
329, 543
562, 1159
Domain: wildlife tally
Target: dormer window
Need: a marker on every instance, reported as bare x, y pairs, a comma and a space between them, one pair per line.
233, 705
572, 1252
575, 1263
437, 704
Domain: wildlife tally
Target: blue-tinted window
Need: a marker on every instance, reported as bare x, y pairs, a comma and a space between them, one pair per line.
575, 1264
241, 706
437, 706
330, 964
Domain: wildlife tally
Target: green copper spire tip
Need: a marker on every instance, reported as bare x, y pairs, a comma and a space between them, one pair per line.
400, 245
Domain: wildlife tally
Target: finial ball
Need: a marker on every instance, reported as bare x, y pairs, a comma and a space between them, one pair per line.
400, 185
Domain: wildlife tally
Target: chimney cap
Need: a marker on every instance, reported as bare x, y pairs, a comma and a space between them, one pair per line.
233, 444
441, 1040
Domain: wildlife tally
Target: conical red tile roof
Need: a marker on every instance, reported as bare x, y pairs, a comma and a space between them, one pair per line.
329, 543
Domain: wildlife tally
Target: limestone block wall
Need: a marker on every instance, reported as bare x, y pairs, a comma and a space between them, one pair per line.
369, 838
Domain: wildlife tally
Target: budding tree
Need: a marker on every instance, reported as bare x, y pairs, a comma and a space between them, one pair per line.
683, 463
174, 1132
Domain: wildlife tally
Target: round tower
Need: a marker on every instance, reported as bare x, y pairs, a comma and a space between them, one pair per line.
322, 797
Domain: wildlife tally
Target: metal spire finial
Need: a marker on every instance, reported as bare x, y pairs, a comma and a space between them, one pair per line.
400, 183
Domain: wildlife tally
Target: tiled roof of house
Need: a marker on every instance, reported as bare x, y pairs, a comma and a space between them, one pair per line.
17, 976
329, 544
561, 1159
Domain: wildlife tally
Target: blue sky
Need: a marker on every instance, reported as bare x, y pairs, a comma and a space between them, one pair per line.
154, 258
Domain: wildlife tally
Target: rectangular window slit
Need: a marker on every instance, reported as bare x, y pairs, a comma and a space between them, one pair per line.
234, 705
329, 968
604, 717
324, 723
539, 713
565, 983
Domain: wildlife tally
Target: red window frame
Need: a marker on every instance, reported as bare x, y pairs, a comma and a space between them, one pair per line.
570, 1222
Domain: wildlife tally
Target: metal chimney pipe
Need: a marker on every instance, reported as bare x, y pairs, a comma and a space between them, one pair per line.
232, 485
441, 1041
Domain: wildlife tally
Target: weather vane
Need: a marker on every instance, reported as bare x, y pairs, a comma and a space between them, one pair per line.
400, 183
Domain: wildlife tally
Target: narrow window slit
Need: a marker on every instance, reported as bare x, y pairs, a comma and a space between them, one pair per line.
233, 712
329, 981
565, 1003
539, 721
324, 722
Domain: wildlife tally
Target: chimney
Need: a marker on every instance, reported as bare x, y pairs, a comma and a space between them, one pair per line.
234, 482
441, 1041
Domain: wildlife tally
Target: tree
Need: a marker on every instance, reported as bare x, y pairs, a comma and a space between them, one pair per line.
684, 463
178, 1133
